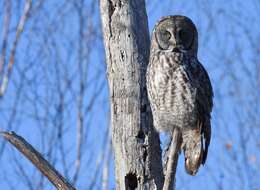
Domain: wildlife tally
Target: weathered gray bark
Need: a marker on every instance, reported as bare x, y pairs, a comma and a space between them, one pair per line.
136, 145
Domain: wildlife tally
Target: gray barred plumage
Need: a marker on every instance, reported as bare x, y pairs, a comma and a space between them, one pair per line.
179, 88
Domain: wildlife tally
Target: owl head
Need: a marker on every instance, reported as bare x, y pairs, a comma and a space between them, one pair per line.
175, 33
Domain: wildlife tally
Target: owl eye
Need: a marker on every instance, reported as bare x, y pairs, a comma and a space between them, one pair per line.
166, 35
184, 35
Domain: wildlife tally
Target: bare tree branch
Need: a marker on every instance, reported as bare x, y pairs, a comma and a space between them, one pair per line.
169, 181
37, 159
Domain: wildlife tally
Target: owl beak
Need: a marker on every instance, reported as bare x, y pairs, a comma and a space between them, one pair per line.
176, 50
175, 45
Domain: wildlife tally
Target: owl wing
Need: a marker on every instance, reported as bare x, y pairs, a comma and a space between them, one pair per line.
204, 100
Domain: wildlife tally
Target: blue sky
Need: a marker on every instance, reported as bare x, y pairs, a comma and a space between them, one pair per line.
48, 56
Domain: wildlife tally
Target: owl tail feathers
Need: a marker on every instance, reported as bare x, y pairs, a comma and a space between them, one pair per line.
193, 147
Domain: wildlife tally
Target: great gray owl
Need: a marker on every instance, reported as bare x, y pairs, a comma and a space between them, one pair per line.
179, 88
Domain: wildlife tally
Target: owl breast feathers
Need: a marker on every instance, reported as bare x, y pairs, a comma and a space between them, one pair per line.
179, 88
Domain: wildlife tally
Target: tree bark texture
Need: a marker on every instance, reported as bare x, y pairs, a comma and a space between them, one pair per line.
136, 144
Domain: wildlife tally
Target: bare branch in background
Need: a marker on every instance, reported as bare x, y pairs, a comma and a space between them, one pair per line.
4, 80
52, 92
7, 15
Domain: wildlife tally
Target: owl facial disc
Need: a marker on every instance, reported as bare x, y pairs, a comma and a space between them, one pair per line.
177, 34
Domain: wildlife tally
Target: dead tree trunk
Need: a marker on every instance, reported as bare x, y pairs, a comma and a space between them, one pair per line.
136, 145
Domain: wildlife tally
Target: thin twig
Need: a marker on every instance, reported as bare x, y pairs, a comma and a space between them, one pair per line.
169, 182
19, 30
37, 159
6, 22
